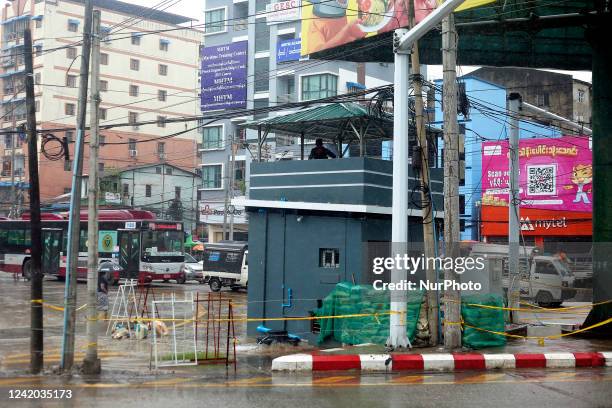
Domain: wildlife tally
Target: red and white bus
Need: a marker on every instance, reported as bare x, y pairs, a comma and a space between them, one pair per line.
145, 248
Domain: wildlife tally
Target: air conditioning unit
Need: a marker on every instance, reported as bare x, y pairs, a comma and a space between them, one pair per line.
133, 153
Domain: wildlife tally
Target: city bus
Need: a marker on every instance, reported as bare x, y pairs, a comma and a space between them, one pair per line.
142, 247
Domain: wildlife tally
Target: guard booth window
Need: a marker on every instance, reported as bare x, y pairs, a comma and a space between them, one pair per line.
329, 258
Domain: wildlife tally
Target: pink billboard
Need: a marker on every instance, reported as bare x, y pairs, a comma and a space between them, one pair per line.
554, 173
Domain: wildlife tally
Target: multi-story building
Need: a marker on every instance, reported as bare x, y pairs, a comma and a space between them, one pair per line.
149, 72
168, 191
266, 35
552, 91
478, 126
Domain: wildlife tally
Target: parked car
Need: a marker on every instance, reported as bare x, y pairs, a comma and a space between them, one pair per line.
192, 269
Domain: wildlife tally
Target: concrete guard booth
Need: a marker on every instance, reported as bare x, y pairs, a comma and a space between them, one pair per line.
314, 223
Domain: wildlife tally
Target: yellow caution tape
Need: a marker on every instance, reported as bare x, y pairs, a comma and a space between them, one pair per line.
54, 307
539, 338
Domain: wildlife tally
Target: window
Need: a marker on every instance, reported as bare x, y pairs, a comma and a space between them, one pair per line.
135, 39
212, 137
168, 171
102, 113
259, 104
69, 109
214, 21
329, 258
260, 5
103, 85
69, 135
126, 189
134, 64
38, 23
177, 192
147, 190
211, 176
132, 144
102, 140
103, 59
162, 69
161, 121
71, 53
319, 86
163, 45
71, 81
581, 95
67, 165
133, 90
38, 50
239, 171
101, 167
162, 95
262, 73
543, 99
73, 26
158, 170
241, 16
161, 147
37, 78
37, 106
262, 35
545, 268
133, 118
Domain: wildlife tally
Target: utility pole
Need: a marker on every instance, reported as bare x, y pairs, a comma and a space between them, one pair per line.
91, 363
228, 186
402, 43
74, 222
452, 298
36, 287
433, 312
514, 228
399, 205
232, 181
13, 212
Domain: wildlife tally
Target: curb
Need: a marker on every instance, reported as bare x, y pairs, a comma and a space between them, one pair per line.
439, 362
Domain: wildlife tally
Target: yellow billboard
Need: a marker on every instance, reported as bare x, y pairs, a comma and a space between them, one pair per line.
330, 23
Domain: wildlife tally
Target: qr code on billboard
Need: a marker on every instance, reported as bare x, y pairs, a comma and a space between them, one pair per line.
541, 180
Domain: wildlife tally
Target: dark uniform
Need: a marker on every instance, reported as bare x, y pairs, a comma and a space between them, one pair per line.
321, 152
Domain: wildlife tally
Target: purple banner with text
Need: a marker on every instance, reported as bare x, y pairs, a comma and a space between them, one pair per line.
224, 76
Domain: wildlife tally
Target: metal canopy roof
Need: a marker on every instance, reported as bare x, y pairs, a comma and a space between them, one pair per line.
536, 34
329, 122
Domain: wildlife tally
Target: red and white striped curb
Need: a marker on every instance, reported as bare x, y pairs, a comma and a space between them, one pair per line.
439, 362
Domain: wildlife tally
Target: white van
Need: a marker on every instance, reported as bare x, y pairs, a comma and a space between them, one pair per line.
225, 264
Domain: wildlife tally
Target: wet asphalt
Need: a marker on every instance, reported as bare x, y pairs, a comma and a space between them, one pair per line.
128, 381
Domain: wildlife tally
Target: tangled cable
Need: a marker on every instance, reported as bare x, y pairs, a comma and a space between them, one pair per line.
53, 152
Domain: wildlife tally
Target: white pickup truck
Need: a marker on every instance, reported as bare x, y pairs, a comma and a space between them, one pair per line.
545, 280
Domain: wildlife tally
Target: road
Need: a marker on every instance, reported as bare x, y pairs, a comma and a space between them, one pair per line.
531, 388
128, 382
